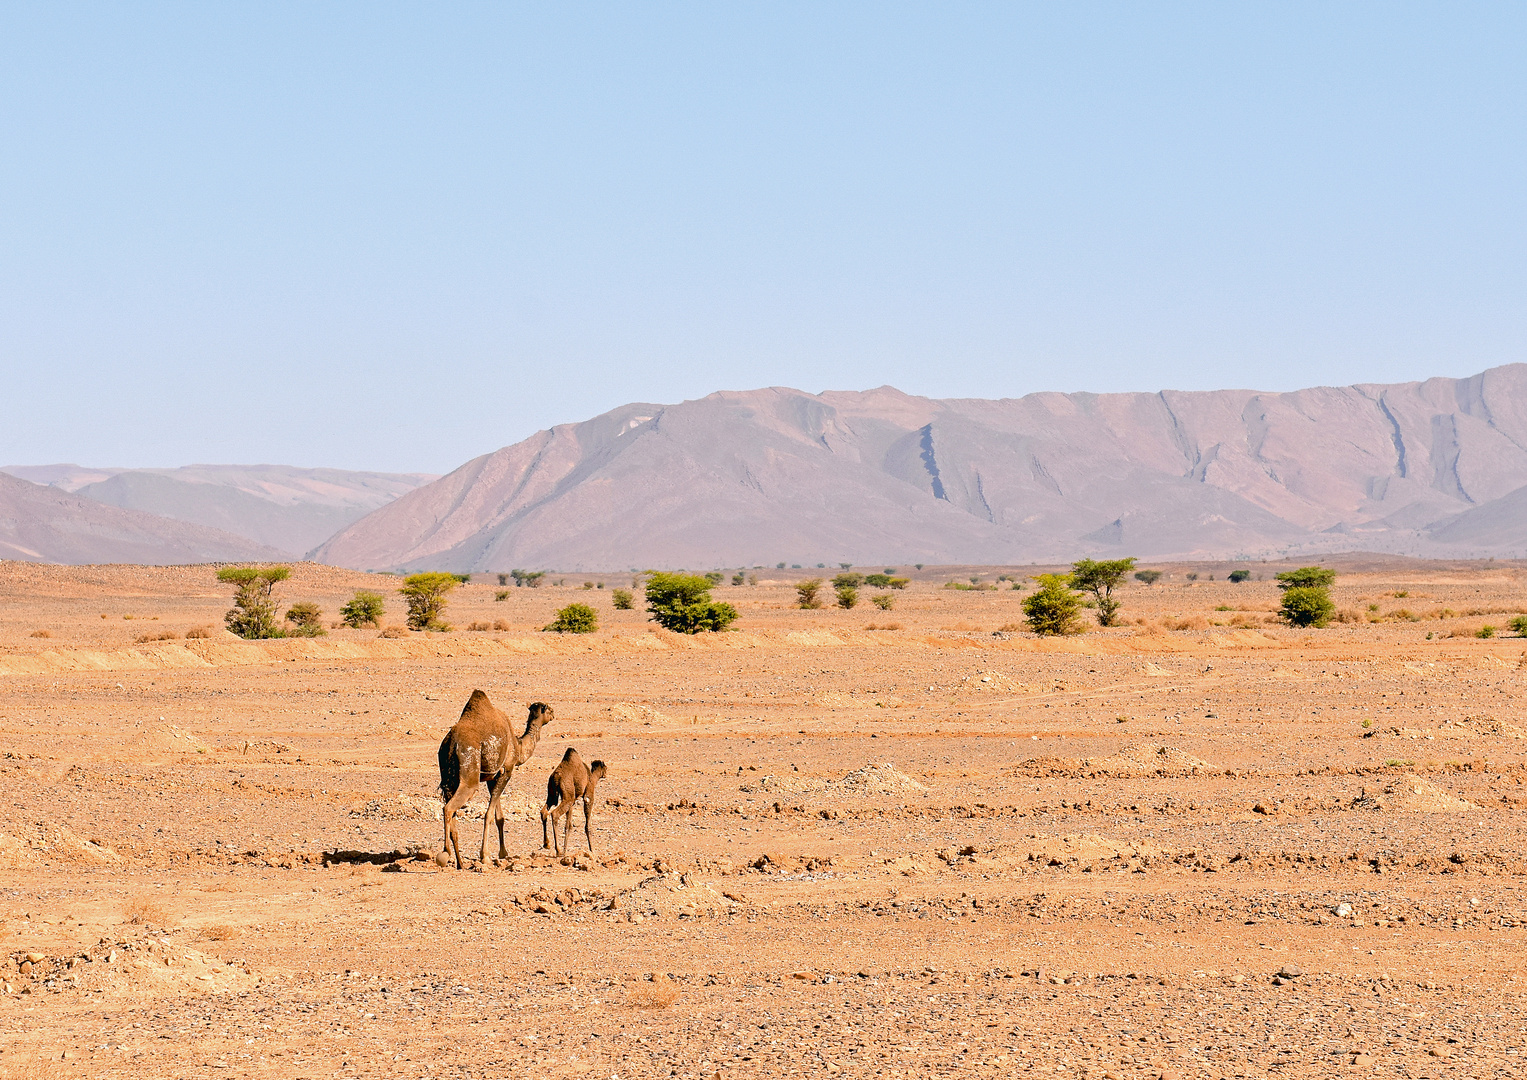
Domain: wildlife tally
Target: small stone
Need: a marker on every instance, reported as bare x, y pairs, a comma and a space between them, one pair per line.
1278, 980
1362, 1059
37, 957
1440, 1051
1342, 911
1290, 971
1238, 979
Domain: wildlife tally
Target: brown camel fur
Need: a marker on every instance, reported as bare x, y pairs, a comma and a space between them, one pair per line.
570, 781
481, 748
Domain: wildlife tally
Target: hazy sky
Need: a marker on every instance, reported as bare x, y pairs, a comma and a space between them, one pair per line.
397, 236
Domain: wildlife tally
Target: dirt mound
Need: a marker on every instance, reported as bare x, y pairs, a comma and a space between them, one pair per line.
875, 779
147, 964
52, 845
156, 741
1411, 794
641, 714
1146, 761
675, 896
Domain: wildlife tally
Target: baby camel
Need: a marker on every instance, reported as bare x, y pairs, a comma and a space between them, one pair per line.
481, 748
569, 781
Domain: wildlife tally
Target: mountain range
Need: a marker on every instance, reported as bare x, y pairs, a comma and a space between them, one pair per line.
753, 478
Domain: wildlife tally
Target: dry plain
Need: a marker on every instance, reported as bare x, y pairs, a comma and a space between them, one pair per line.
824, 847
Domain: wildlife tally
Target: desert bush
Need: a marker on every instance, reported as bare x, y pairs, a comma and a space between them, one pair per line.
1100, 578
1192, 577
574, 619
884, 601
500, 624
588, 585
621, 598
425, 595
1519, 624
479, 626
739, 577
306, 618
883, 626
682, 603
1486, 631
878, 581
1348, 615
847, 581
715, 577
143, 910
42, 633
253, 614
959, 586
501, 595
365, 608
1306, 605
219, 932
1053, 608
503, 579
1239, 576
394, 632
899, 582
199, 632
528, 578
157, 635
1186, 622
807, 593
464, 579
848, 596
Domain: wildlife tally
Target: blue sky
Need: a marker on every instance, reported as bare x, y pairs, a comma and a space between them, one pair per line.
397, 236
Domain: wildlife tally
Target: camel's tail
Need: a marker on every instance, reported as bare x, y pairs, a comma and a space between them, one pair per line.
450, 767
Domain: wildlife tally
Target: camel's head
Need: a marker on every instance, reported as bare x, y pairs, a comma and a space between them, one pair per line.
541, 714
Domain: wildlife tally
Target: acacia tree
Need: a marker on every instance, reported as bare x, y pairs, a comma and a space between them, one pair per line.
681, 602
253, 614
1306, 599
1100, 578
425, 596
807, 591
365, 608
1052, 609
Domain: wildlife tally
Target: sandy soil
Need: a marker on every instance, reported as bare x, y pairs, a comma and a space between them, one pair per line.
823, 847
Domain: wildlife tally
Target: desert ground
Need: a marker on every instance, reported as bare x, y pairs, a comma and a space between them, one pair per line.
904, 843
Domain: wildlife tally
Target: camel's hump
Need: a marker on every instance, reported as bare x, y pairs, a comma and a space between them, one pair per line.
478, 704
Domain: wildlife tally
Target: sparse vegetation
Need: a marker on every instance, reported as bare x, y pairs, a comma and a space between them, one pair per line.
847, 581
156, 635
884, 601
306, 618
365, 608
848, 596
1239, 576
425, 595
739, 577
530, 579
253, 615
1148, 577
1100, 578
42, 633
1486, 631
1519, 624
501, 594
199, 632
574, 619
682, 603
503, 579
807, 593
878, 581
715, 577
621, 598
1053, 608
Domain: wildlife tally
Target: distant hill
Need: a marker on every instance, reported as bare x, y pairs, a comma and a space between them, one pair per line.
285, 508
45, 524
756, 477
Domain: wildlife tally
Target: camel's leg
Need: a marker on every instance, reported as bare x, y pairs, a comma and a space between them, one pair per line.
495, 789
498, 816
567, 823
588, 828
545, 832
458, 800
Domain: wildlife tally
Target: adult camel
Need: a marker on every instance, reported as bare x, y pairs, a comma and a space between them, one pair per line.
481, 748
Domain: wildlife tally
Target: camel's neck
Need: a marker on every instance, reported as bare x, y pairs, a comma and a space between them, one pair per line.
527, 741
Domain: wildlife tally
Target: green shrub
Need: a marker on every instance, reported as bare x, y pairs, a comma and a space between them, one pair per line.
1239, 576
848, 596
878, 581
253, 614
1100, 578
807, 591
1519, 624
425, 595
739, 577
715, 577
899, 582
847, 581
682, 603
1149, 577
527, 578
959, 586
1485, 632
621, 598
885, 601
306, 618
1307, 577
365, 608
1053, 608
464, 579
1306, 605
574, 619
501, 594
